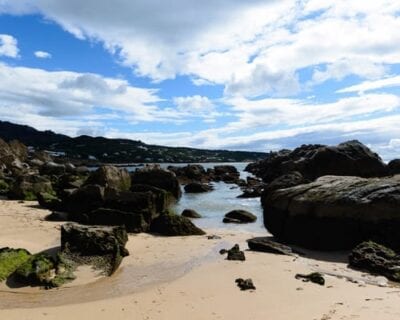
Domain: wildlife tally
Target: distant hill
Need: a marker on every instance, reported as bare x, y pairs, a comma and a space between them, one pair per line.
116, 150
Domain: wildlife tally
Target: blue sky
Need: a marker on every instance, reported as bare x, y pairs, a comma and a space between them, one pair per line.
244, 75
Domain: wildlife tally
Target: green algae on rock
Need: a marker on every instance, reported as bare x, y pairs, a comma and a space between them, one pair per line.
10, 260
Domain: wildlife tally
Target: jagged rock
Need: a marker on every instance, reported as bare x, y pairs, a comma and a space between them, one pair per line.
162, 197
245, 284
52, 168
350, 158
265, 244
84, 200
111, 177
190, 213
314, 277
27, 187
196, 187
133, 221
234, 253
158, 178
311, 214
10, 260
106, 243
375, 258
169, 224
241, 216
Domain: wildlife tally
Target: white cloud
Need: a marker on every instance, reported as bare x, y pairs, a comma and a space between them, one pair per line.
252, 47
42, 55
8, 46
372, 85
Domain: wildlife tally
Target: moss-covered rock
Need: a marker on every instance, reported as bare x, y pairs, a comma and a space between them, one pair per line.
171, 224
10, 260
4, 187
39, 269
49, 201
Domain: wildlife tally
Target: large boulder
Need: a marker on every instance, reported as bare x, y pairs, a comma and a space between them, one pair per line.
350, 158
336, 212
105, 243
159, 178
52, 168
225, 173
394, 166
375, 258
191, 172
163, 198
27, 187
239, 216
169, 224
111, 177
84, 200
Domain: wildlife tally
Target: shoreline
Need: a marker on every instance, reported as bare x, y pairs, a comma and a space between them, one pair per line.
186, 277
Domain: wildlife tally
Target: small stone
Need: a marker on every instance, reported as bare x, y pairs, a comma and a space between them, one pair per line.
245, 284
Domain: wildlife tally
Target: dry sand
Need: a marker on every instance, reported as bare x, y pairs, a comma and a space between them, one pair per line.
186, 278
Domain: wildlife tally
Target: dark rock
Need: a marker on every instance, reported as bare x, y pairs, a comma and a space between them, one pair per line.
49, 201
234, 253
10, 260
226, 173
241, 215
251, 193
310, 215
288, 180
265, 244
168, 224
230, 220
133, 221
106, 242
394, 166
57, 216
27, 187
245, 284
350, 158
375, 258
158, 178
196, 187
84, 200
82, 170
314, 277
110, 177
37, 270
213, 237
190, 213
191, 172
163, 198
52, 168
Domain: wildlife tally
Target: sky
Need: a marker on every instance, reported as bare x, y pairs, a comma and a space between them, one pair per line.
254, 75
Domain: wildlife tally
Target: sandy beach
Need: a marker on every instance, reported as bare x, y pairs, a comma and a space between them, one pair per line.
186, 277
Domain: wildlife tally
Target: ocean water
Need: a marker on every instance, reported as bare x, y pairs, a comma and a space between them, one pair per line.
215, 204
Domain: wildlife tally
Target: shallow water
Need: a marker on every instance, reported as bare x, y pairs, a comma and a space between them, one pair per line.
215, 204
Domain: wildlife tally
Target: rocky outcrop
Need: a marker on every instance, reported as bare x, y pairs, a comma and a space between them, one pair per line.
104, 244
239, 216
336, 212
196, 187
159, 178
375, 258
52, 168
27, 187
350, 158
225, 173
110, 177
394, 166
169, 224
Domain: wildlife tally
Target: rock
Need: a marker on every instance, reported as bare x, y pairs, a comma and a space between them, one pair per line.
19, 149
234, 253
133, 221
190, 213
163, 198
52, 168
110, 177
27, 187
350, 158
82, 170
107, 243
264, 244
4, 187
288, 180
241, 215
70, 168
394, 166
49, 201
191, 172
57, 216
226, 173
375, 258
84, 200
230, 220
10, 260
314, 277
245, 284
213, 237
39, 269
36, 163
196, 187
69, 181
311, 215
158, 178
168, 224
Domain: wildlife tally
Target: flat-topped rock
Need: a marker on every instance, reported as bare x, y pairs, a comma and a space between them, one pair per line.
336, 212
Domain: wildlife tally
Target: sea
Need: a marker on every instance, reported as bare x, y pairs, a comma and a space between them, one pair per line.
215, 204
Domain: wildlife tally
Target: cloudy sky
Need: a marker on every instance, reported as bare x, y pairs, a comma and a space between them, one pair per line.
234, 74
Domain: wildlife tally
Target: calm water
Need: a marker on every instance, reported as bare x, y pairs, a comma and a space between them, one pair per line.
213, 205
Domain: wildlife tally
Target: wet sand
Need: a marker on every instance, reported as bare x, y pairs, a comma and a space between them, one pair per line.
185, 277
